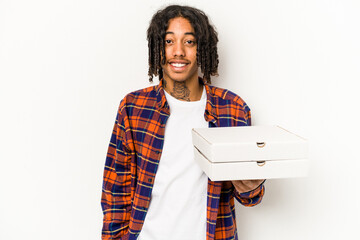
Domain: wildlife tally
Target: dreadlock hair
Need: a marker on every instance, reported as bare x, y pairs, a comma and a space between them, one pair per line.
205, 35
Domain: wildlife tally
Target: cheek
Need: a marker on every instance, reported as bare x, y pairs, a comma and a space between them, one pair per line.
167, 51
193, 54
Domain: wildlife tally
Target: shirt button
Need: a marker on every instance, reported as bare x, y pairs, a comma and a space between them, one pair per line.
157, 152
149, 180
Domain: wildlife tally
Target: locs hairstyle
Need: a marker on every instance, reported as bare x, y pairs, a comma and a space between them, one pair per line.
205, 34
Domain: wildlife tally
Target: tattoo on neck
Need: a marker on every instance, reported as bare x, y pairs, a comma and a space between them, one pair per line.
180, 91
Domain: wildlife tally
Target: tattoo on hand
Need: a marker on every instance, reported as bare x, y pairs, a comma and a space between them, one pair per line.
180, 91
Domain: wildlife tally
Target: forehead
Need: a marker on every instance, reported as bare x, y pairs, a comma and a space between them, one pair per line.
179, 25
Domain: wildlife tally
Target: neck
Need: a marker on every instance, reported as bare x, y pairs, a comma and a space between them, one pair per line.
184, 90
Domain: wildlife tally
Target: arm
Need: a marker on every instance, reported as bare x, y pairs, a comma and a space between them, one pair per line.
116, 198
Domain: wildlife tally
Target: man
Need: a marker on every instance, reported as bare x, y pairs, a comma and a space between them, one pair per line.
152, 187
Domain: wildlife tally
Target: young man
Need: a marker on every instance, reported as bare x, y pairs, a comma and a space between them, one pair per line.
152, 187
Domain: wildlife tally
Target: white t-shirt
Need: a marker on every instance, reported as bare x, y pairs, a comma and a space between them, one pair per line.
178, 202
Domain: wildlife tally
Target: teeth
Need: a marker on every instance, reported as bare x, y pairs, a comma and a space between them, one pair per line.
178, 64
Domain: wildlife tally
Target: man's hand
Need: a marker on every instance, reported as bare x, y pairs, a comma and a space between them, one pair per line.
243, 186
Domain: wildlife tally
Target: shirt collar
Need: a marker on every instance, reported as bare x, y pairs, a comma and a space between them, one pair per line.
210, 109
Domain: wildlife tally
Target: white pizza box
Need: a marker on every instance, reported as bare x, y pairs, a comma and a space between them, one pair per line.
256, 152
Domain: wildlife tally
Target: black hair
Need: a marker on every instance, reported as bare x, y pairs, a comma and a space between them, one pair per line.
205, 35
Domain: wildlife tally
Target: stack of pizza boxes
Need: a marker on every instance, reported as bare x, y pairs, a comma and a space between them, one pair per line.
253, 152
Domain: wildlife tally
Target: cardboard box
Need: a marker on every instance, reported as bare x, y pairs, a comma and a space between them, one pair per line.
256, 152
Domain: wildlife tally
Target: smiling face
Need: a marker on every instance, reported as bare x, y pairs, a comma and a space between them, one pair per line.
180, 52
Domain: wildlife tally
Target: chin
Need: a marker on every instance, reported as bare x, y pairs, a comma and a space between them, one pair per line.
180, 77
175, 78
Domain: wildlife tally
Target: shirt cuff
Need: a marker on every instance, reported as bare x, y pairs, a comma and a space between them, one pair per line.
251, 198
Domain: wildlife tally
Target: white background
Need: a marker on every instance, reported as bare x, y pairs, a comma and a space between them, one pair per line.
65, 66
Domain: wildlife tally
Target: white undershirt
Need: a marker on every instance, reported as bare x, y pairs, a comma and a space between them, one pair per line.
177, 208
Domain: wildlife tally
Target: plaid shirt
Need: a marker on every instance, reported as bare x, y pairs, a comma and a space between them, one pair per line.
133, 157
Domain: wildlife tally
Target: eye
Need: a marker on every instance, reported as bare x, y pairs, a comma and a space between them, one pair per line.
190, 42
168, 41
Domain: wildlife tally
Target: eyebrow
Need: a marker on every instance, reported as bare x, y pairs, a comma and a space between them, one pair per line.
187, 33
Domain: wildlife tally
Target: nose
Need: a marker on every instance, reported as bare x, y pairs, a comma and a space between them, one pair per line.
179, 50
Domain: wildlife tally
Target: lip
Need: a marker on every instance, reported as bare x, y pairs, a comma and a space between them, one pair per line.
178, 65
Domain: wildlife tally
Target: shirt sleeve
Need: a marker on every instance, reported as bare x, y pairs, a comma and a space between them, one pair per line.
251, 198
116, 191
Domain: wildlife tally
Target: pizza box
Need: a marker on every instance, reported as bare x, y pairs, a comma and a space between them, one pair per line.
250, 152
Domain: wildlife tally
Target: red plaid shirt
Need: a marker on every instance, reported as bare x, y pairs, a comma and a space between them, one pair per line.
133, 157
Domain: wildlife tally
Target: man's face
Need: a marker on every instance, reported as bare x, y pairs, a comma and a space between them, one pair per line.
180, 51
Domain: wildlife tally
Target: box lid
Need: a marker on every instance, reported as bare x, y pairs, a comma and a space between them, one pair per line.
250, 143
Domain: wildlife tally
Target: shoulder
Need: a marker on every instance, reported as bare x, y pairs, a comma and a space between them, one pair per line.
225, 96
230, 109
141, 94
141, 97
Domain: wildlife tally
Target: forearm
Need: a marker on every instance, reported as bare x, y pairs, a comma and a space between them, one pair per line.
115, 221
116, 203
